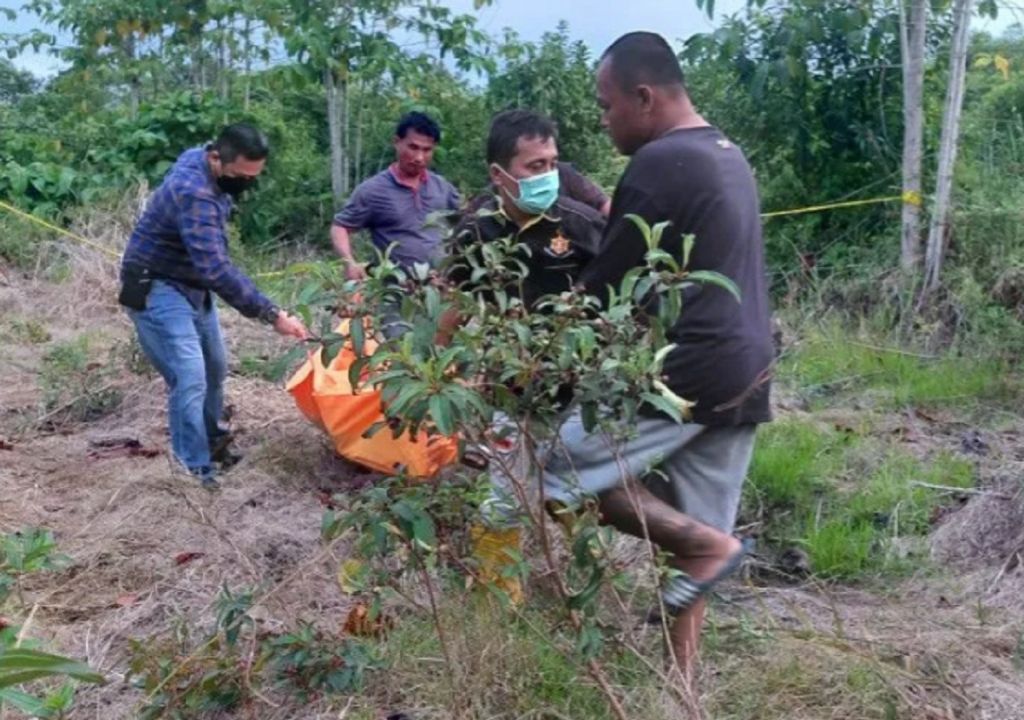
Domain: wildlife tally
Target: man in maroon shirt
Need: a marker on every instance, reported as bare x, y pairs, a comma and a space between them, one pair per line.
394, 204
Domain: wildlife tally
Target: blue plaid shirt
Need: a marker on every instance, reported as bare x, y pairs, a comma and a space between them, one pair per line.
182, 238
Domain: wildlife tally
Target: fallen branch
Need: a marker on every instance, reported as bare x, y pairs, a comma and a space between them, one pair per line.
962, 491
1011, 562
69, 404
894, 351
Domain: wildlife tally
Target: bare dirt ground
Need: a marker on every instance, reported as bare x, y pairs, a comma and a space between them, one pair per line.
150, 550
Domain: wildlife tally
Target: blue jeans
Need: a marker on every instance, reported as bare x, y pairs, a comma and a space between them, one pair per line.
185, 346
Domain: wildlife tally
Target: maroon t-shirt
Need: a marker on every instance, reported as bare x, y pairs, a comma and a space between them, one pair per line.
700, 181
576, 186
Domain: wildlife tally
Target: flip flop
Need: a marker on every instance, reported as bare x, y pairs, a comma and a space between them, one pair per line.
681, 591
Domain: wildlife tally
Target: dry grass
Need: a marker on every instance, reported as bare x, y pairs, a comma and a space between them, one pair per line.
932, 647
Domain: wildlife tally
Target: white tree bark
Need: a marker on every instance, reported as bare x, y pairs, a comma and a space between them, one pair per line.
937, 231
334, 119
223, 86
247, 53
346, 137
913, 18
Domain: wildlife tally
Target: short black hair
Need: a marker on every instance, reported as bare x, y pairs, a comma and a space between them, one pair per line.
510, 125
241, 139
421, 123
644, 58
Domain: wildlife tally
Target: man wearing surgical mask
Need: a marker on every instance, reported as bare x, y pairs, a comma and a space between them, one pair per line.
176, 260
561, 234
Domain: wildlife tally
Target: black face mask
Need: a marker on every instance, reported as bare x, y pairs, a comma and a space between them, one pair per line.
235, 186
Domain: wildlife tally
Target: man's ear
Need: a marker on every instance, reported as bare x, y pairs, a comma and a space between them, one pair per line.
494, 172
645, 97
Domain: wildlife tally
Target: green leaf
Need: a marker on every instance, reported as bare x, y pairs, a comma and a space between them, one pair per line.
583, 600
657, 231
440, 412
645, 229
355, 370
24, 702
662, 404
407, 395
657, 256
374, 429
522, 334
20, 665
710, 277
277, 369
330, 350
308, 293
358, 336
432, 299
588, 414
688, 243
465, 396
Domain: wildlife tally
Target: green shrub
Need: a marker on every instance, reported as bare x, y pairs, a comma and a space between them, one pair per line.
75, 387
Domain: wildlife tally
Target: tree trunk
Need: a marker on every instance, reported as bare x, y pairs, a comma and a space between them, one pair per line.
134, 81
948, 145
223, 86
346, 138
247, 35
334, 117
912, 32
360, 117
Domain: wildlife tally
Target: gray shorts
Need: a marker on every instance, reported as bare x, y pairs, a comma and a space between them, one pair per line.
699, 469
702, 468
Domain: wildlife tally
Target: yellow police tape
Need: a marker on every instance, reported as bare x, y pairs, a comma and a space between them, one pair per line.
293, 269
908, 197
59, 230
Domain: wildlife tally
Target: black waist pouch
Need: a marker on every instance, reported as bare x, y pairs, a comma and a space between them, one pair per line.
136, 283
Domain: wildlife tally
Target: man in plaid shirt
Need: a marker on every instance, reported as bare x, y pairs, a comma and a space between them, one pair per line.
176, 259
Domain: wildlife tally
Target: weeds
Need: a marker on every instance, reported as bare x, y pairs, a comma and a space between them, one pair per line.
224, 669
22, 664
271, 369
27, 331
31, 550
844, 497
75, 387
804, 678
829, 367
506, 669
308, 663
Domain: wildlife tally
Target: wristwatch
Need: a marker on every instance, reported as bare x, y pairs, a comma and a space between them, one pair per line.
269, 316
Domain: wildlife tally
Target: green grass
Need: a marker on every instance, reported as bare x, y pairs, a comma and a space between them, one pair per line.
848, 495
844, 497
26, 331
830, 367
891, 495
843, 549
506, 667
792, 464
809, 677
75, 384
